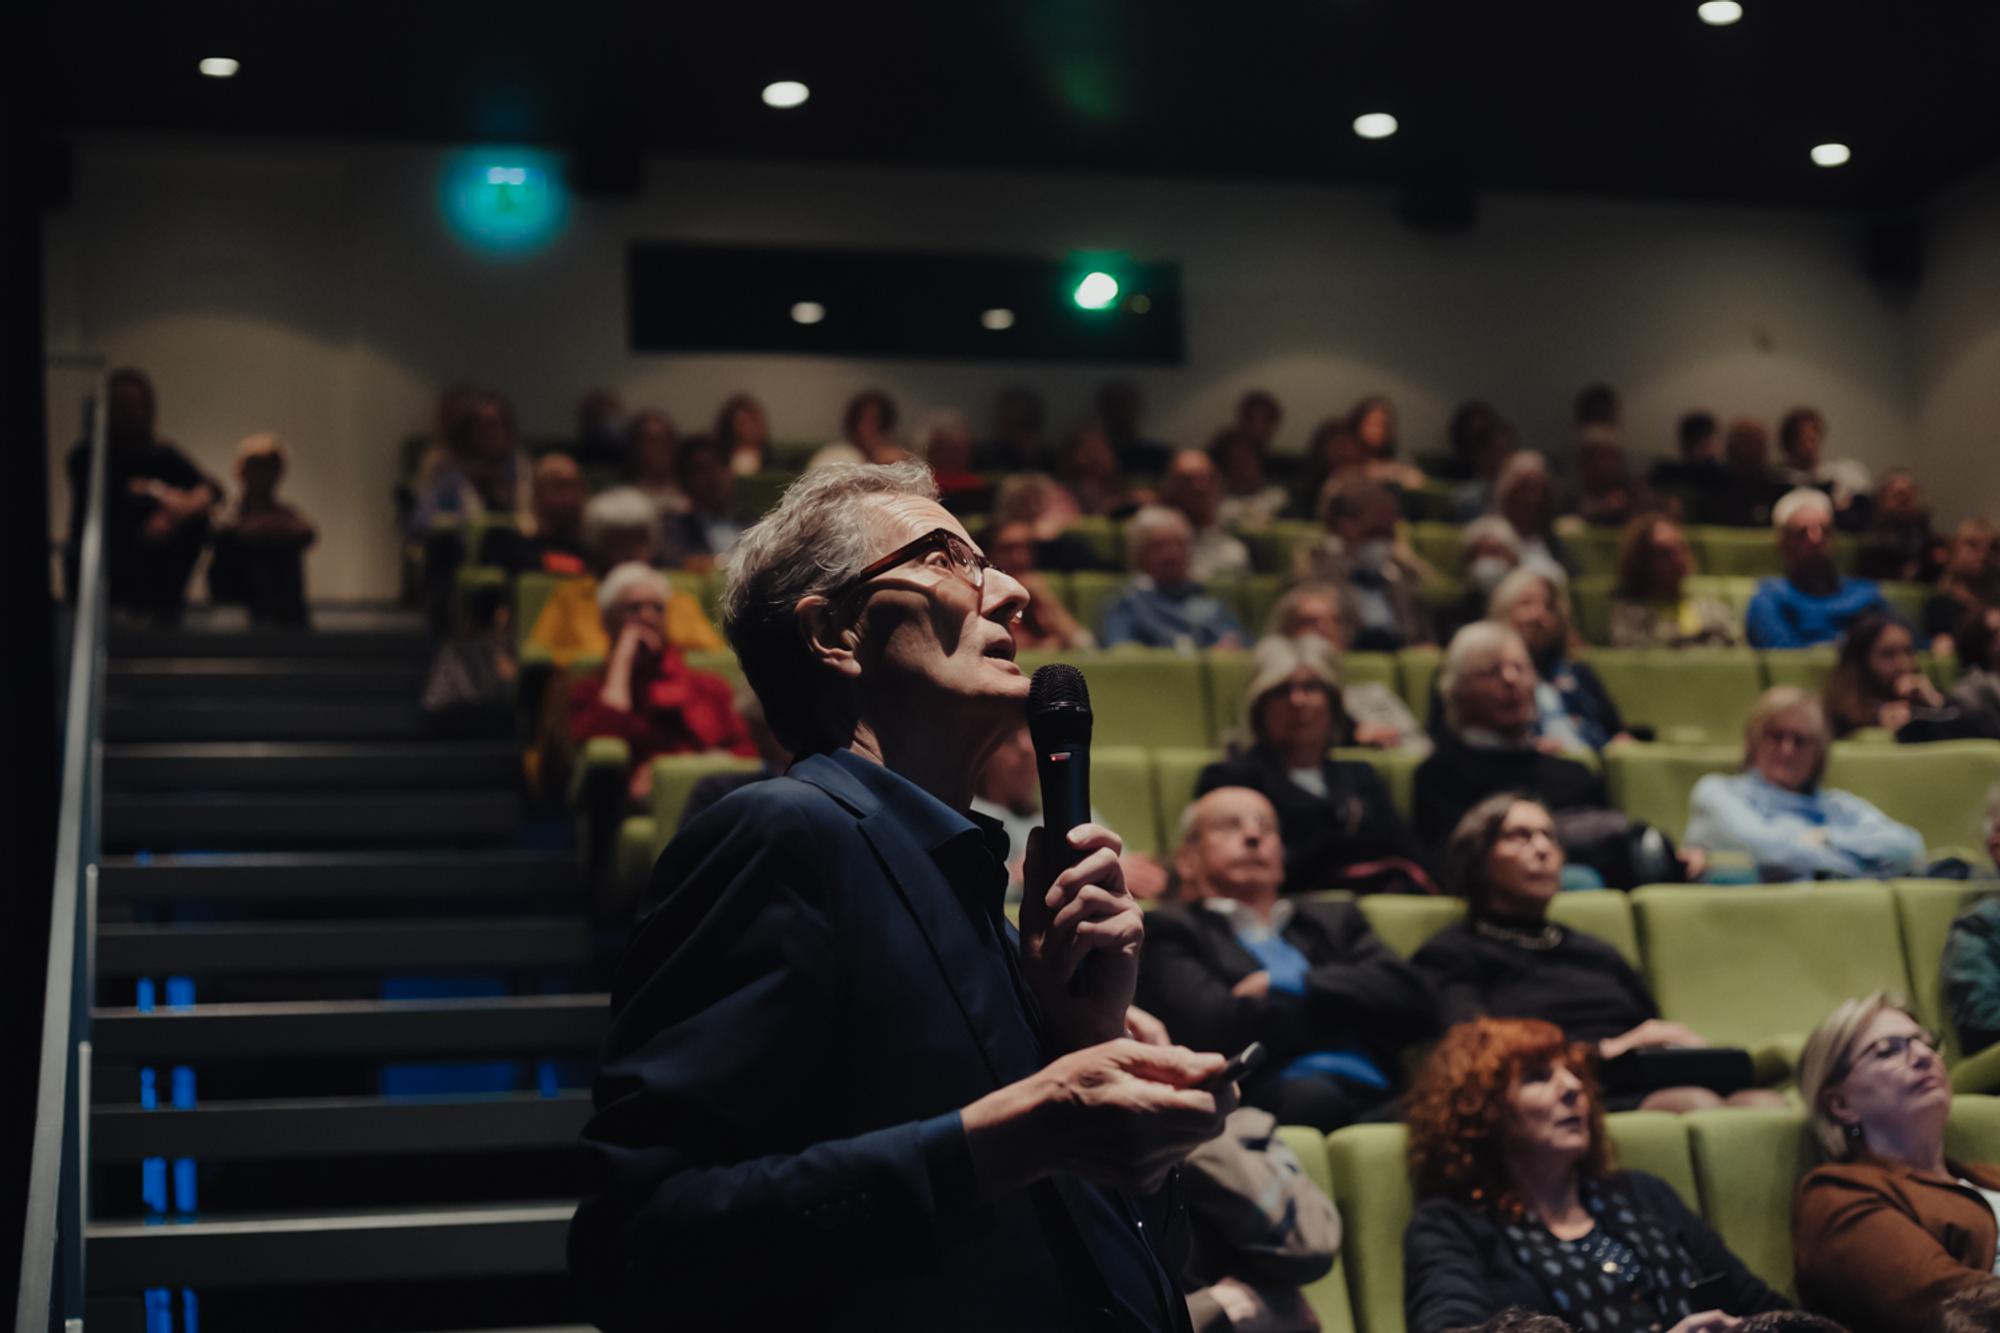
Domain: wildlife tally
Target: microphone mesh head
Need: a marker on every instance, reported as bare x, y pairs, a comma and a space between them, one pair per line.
1057, 686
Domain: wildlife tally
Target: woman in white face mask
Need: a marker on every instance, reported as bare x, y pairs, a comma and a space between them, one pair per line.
1651, 607
1488, 551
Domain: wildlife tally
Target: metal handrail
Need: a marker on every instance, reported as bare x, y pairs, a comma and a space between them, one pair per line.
52, 1233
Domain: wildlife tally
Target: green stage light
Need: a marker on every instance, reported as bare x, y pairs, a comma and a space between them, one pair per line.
1096, 291
504, 203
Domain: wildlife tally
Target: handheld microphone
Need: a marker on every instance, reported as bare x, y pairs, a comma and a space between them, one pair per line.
1059, 726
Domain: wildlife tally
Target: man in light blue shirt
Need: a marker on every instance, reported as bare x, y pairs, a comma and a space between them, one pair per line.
1811, 603
1163, 607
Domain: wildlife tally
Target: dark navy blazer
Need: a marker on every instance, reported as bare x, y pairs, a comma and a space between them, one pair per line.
825, 980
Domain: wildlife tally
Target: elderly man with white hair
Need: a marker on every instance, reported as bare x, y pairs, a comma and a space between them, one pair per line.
1811, 603
646, 695
1164, 606
840, 1089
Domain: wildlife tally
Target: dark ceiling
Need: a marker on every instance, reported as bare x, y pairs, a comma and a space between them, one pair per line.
1624, 97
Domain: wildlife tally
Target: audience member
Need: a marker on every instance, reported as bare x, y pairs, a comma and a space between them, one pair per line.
480, 471
1119, 408
1018, 444
1524, 496
1164, 606
1373, 421
867, 433
554, 544
1749, 488
1517, 1204
1333, 455
1811, 603
1380, 586
1340, 827
600, 432
1606, 494
1599, 415
1802, 436
1695, 476
1876, 682
703, 535
1651, 606
773, 759
650, 442
1890, 1228
1471, 426
1257, 416
646, 695
1506, 959
1192, 487
944, 441
620, 527
469, 685
1249, 498
1008, 790
1976, 692
1776, 810
744, 433
1572, 707
1259, 1229
260, 543
1088, 468
1970, 581
1970, 970
156, 506
1900, 545
1237, 962
1488, 551
1376, 714
1044, 622
1040, 501
1493, 446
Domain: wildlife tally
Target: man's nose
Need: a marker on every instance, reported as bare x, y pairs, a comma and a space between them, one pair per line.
1004, 597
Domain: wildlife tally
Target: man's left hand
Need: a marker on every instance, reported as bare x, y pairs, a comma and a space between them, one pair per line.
1084, 925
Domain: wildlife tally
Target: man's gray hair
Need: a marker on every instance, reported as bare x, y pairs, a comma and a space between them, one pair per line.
629, 575
620, 509
1800, 497
814, 541
1490, 528
1156, 521
1470, 649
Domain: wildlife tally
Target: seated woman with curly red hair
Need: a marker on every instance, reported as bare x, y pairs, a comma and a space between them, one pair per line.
1518, 1204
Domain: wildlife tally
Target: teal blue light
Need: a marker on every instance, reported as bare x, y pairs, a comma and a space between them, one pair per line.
502, 202
1096, 291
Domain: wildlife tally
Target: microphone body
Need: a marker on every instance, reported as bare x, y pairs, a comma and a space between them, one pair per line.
1059, 722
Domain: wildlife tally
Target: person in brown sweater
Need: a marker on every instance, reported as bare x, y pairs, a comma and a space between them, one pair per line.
1890, 1229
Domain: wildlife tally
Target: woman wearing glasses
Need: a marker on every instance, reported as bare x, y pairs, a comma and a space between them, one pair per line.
1891, 1228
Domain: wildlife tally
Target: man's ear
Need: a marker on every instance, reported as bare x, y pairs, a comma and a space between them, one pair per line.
829, 642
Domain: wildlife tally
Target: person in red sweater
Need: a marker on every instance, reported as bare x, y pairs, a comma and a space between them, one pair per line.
647, 695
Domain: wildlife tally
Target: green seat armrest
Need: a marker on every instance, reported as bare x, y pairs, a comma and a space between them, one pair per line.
1978, 1073
603, 759
1776, 1059
628, 869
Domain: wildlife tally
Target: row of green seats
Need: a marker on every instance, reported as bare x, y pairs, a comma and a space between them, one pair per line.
1738, 1168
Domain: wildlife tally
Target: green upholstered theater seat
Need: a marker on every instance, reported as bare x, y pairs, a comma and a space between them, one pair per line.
532, 591
721, 663
1735, 552
757, 494
1590, 606
1605, 913
1140, 696
1283, 547
1106, 538
1254, 597
1938, 788
1416, 668
1907, 600
1760, 967
1175, 769
1122, 792
1687, 696
1091, 593
1806, 668
674, 777
1926, 908
1594, 549
1748, 1163
1436, 544
1371, 1185
1652, 782
1404, 921
1328, 1297
1396, 768
705, 588
1060, 587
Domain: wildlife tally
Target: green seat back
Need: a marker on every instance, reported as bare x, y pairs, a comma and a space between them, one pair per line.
1371, 1185
1605, 913
1907, 601
704, 588
1121, 791
1806, 668
1404, 921
1416, 668
532, 591
1278, 547
758, 493
1436, 544
1594, 549
1590, 602
1139, 696
722, 663
1748, 1163
1091, 593
1175, 770
1973, 1132
1652, 782
1328, 1297
674, 776
1254, 597
1736, 552
1748, 966
1926, 908
1106, 538
1938, 789
1687, 695
1396, 768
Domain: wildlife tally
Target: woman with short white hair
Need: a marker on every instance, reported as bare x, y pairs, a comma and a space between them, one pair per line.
1777, 811
1572, 707
1891, 1228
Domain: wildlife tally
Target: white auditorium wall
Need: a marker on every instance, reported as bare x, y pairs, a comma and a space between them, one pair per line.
1955, 340
311, 289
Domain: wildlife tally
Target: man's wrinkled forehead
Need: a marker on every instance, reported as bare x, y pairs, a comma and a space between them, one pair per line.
897, 519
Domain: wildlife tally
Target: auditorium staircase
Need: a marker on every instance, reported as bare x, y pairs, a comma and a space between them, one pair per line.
344, 1005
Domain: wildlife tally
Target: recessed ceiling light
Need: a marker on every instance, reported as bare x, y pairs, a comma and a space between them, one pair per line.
808, 312
1375, 125
997, 319
1096, 291
785, 94
1830, 154
220, 67
1719, 13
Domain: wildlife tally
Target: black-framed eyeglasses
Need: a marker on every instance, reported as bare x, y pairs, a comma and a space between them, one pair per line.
1888, 1050
953, 553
